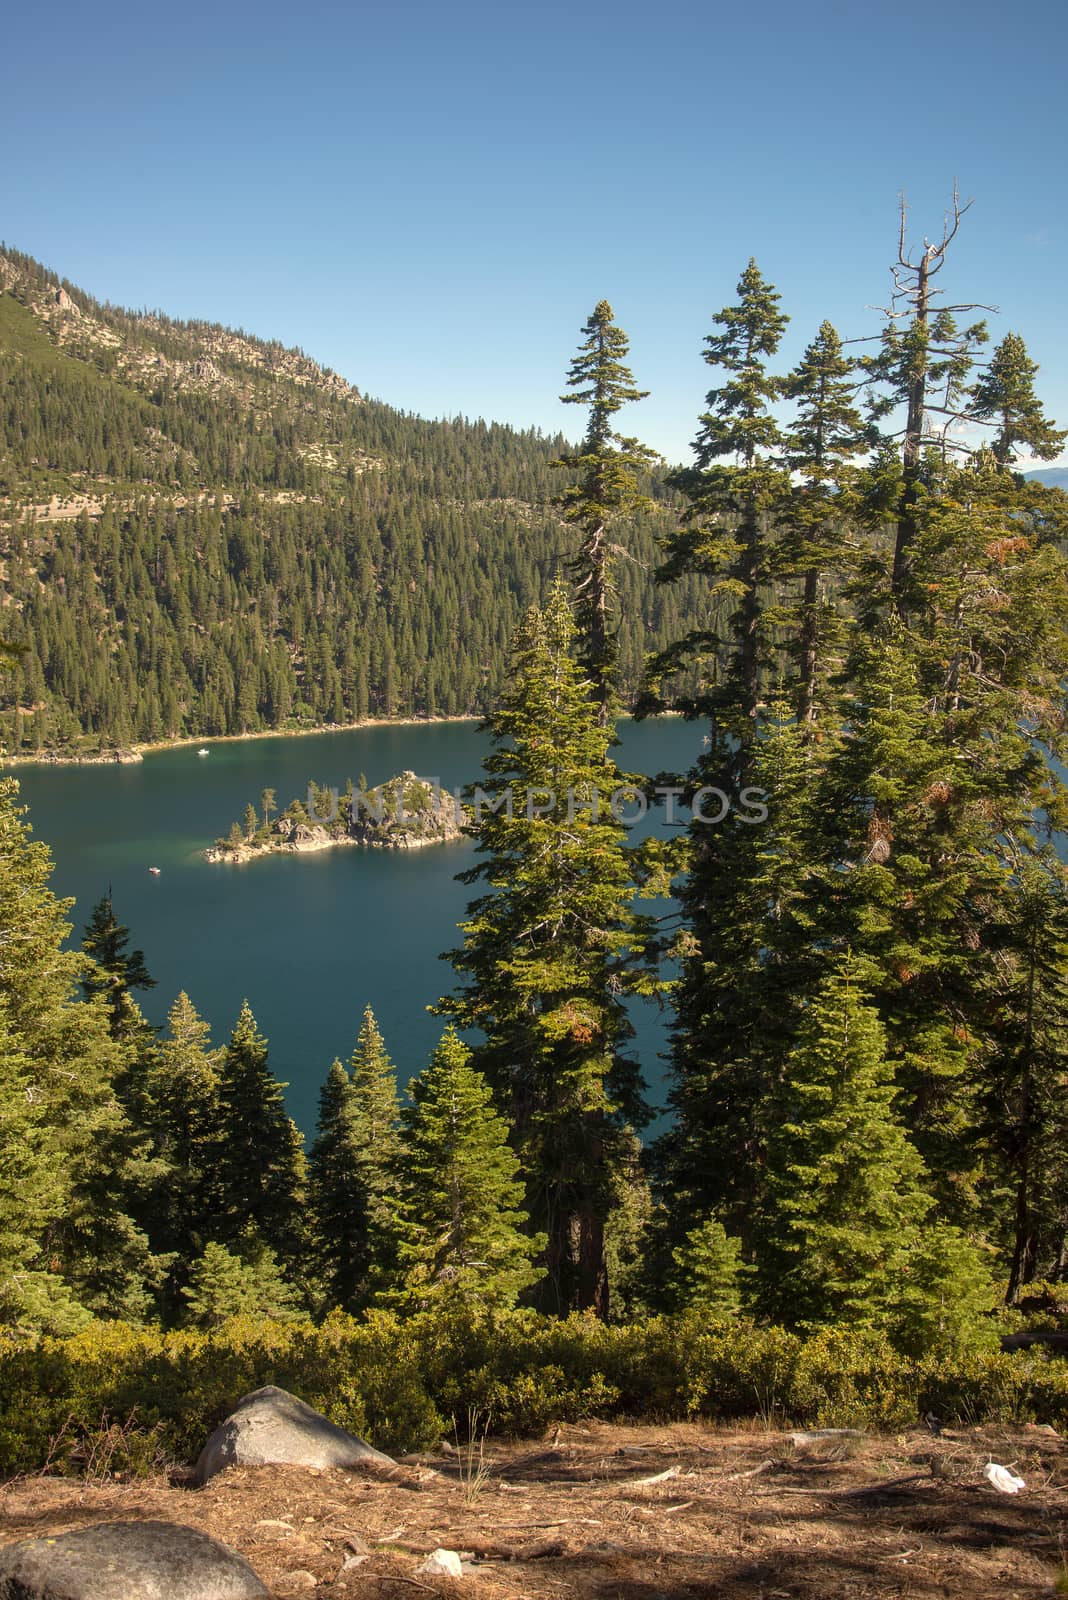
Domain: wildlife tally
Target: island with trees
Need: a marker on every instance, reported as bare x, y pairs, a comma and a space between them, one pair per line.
404, 813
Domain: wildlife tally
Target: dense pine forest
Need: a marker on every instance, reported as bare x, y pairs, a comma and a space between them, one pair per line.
864, 606
258, 546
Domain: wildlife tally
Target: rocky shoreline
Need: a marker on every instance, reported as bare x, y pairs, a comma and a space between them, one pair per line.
134, 753
102, 758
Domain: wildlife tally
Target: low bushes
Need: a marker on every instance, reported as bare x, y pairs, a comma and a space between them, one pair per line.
401, 1383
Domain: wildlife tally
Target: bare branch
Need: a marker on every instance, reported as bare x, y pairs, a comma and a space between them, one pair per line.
938, 253
901, 256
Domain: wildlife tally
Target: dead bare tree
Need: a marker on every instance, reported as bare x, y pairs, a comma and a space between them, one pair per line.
925, 367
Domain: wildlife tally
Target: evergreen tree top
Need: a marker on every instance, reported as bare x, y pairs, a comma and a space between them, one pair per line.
829, 429
752, 328
375, 1105
599, 376
737, 421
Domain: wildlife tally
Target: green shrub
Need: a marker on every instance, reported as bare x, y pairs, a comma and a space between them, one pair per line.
116, 1398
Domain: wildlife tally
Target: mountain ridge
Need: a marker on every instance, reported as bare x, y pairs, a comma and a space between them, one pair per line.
204, 533
1052, 477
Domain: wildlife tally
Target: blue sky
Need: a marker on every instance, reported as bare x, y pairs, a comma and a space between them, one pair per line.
431, 198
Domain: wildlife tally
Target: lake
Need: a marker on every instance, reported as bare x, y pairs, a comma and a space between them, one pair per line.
308, 939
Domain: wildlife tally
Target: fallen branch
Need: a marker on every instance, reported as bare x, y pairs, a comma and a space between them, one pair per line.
657, 1477
395, 1577
562, 1522
815, 1435
736, 1477
890, 1486
535, 1550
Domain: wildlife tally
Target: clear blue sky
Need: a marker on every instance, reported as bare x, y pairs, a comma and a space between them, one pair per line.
431, 197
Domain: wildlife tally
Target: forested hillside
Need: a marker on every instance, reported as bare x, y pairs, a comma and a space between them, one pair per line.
202, 533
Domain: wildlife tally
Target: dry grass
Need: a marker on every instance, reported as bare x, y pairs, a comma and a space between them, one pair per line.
679, 1512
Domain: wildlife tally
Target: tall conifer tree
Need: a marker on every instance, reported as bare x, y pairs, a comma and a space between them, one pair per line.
607, 491
735, 488
551, 951
352, 1171
183, 1110
1025, 1071
97, 1161
819, 548
260, 1154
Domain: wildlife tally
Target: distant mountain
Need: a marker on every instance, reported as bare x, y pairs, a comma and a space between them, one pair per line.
202, 532
1054, 477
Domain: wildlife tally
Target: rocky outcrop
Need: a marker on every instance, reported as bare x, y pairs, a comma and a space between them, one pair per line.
405, 813
271, 1426
104, 758
127, 1561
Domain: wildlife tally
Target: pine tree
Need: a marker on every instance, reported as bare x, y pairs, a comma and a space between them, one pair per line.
223, 1285
944, 1296
336, 1199
733, 1006
944, 790
1025, 1070
607, 464
551, 951
260, 1155
845, 1192
747, 963
32, 1195
885, 887
375, 1109
708, 1270
462, 1191
729, 532
1005, 396
182, 1094
93, 1163
352, 1174
115, 972
818, 544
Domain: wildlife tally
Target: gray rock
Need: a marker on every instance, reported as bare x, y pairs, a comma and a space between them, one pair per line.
271, 1426
127, 1561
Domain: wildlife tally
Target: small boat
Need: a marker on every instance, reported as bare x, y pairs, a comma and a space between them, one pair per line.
203, 751
154, 871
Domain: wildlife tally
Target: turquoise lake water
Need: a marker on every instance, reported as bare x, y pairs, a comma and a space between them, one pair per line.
309, 940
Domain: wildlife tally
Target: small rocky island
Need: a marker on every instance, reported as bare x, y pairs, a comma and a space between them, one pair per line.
403, 813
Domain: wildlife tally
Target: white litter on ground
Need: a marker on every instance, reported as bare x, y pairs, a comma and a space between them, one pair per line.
1002, 1478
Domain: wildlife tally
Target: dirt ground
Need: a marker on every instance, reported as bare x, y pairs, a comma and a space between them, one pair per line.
600, 1512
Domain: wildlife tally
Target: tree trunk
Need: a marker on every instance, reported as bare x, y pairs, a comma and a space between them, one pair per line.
749, 616
1025, 1248
596, 557
912, 452
806, 700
